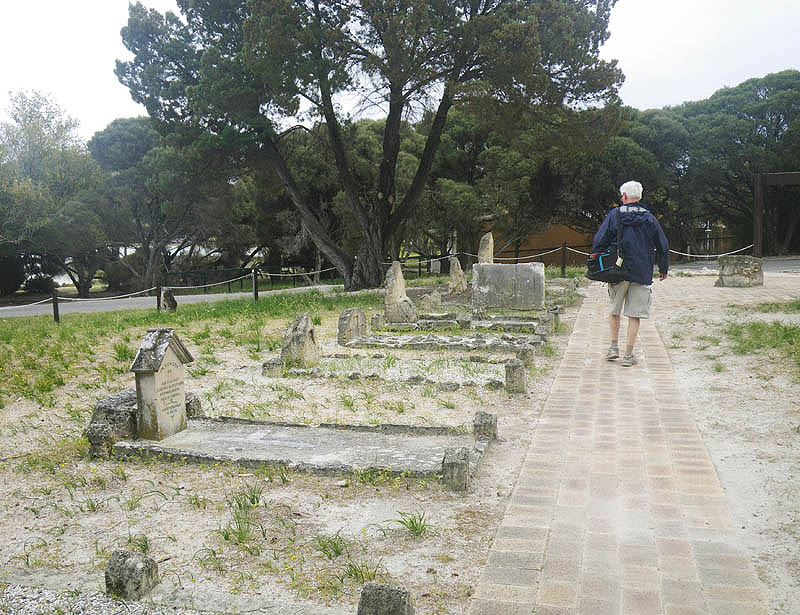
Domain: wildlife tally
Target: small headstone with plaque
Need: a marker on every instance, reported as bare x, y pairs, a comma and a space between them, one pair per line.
160, 393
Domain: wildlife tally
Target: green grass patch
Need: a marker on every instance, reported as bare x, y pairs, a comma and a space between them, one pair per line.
754, 336
37, 355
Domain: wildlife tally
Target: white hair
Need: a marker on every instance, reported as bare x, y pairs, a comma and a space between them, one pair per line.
632, 189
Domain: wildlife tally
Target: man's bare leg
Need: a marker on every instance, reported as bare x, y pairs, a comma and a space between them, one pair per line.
613, 321
633, 331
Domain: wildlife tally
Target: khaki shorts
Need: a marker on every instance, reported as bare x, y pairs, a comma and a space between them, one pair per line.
634, 297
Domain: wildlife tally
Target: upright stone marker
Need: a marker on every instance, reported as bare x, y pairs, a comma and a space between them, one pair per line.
160, 393
299, 348
352, 325
516, 376
458, 282
517, 287
397, 306
486, 249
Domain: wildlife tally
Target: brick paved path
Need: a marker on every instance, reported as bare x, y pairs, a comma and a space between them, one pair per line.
618, 508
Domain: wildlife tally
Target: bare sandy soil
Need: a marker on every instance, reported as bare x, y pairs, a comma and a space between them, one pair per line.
308, 540
747, 408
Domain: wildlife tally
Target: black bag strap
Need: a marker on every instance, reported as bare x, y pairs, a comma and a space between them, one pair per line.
619, 232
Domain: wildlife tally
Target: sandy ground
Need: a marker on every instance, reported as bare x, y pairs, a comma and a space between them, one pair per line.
62, 513
747, 408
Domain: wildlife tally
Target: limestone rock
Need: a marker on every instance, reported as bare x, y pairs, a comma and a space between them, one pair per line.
458, 282
379, 599
352, 325
397, 306
130, 575
740, 271
518, 287
484, 426
194, 406
113, 419
486, 249
455, 468
515, 376
273, 368
299, 348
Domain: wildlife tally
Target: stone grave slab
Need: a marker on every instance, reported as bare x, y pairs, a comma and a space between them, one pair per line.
517, 287
326, 449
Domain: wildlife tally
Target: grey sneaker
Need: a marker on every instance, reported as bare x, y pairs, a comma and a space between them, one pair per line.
628, 360
612, 354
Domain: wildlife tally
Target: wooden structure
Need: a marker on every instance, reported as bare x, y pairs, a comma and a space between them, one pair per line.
761, 181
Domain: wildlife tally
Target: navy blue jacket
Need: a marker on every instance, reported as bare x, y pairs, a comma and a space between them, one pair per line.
641, 236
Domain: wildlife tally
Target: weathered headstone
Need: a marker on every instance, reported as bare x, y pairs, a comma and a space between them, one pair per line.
352, 325
299, 348
436, 266
397, 306
740, 271
130, 575
484, 426
515, 376
486, 249
455, 468
160, 393
517, 287
379, 599
458, 282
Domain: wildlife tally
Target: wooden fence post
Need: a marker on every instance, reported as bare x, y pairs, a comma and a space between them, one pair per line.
55, 307
564, 259
255, 284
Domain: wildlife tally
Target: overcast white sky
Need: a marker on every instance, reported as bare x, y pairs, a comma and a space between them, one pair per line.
671, 51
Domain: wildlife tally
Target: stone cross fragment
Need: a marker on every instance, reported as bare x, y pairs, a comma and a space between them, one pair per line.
160, 393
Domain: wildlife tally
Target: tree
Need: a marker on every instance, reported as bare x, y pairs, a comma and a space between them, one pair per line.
46, 172
239, 70
739, 131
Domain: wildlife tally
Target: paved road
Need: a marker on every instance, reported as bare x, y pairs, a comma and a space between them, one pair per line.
771, 264
141, 303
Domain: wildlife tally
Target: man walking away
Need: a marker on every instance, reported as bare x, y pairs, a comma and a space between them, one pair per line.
642, 240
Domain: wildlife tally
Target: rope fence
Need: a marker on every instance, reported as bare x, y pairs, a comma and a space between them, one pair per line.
254, 274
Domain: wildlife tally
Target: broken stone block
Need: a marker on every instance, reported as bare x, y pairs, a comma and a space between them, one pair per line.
484, 426
527, 354
455, 468
113, 419
299, 348
740, 271
273, 368
379, 599
194, 406
464, 320
130, 575
515, 376
352, 325
486, 249
397, 306
458, 282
